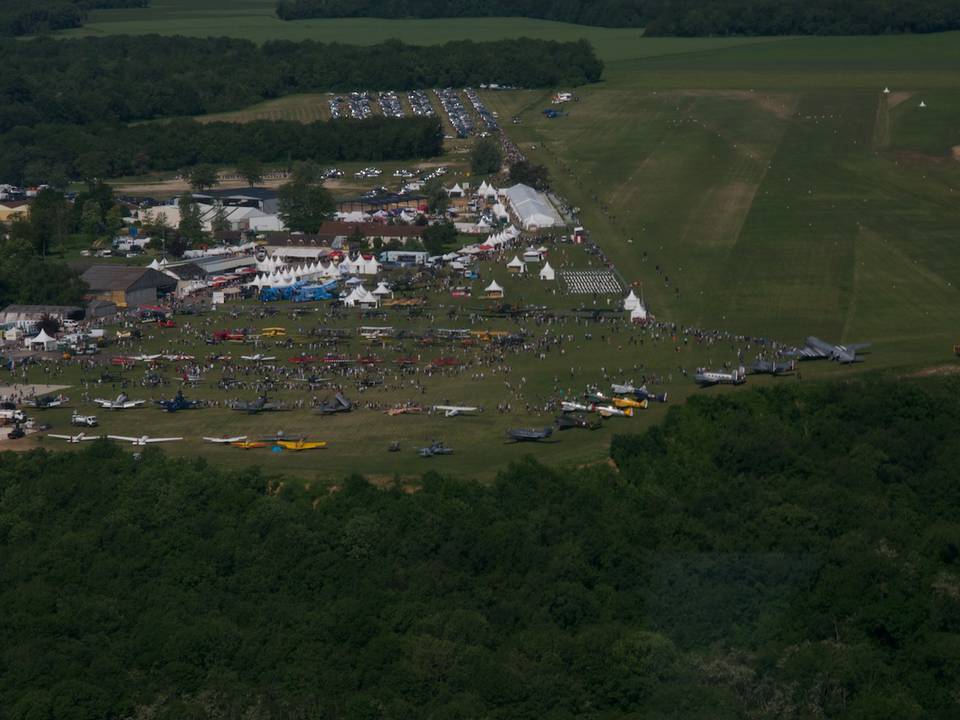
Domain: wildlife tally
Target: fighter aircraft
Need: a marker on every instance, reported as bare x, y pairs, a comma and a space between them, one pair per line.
259, 357
630, 403
529, 434
143, 440
121, 403
435, 448
301, 444
261, 404
814, 348
179, 402
611, 411
226, 440
338, 404
47, 401
568, 422
771, 367
313, 381
568, 406
640, 393
78, 438
455, 410
707, 378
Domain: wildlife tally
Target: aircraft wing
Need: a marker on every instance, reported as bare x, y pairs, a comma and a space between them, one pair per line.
159, 440
856, 347
123, 437
104, 403
238, 438
61, 437
133, 404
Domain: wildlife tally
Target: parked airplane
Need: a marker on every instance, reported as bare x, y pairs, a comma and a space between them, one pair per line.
338, 404
611, 411
226, 440
814, 348
435, 448
179, 402
261, 404
47, 401
146, 358
771, 367
640, 393
568, 406
706, 378
78, 438
121, 403
258, 357
143, 439
630, 403
301, 444
529, 434
455, 410
248, 444
568, 422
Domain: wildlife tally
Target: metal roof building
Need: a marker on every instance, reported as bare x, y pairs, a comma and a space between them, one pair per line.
127, 286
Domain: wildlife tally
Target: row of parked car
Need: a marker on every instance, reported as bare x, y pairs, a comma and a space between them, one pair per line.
486, 117
390, 105
457, 114
420, 102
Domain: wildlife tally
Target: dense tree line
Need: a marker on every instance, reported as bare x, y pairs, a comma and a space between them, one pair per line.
670, 17
609, 13
139, 78
778, 554
803, 17
54, 153
29, 17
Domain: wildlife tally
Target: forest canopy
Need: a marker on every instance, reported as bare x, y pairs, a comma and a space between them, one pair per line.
792, 552
126, 78
30, 17
54, 153
670, 17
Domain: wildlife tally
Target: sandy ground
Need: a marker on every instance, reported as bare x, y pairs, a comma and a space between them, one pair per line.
28, 390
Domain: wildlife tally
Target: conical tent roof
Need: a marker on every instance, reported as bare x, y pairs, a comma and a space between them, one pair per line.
631, 301
547, 272
493, 287
516, 262
42, 337
382, 289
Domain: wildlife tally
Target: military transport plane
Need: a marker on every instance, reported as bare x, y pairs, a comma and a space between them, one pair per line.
771, 367
707, 378
121, 403
814, 349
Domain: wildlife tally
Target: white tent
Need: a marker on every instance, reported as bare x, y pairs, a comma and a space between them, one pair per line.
368, 266
494, 289
43, 340
638, 314
547, 272
383, 291
516, 265
362, 297
631, 302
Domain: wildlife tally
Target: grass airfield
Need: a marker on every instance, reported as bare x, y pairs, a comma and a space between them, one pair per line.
770, 179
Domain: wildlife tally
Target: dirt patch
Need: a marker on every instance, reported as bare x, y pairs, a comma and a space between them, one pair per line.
898, 98
30, 390
938, 371
781, 105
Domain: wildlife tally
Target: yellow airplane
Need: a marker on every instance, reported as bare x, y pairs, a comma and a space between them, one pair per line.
297, 445
630, 403
248, 444
274, 332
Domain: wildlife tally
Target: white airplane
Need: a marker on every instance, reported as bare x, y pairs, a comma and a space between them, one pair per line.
81, 437
226, 440
121, 403
455, 410
611, 411
258, 357
567, 406
143, 439
706, 378
146, 358
177, 357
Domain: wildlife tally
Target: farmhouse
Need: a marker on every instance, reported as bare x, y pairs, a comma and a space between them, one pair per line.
127, 286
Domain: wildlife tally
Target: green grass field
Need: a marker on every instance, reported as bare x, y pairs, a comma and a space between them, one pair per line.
774, 183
